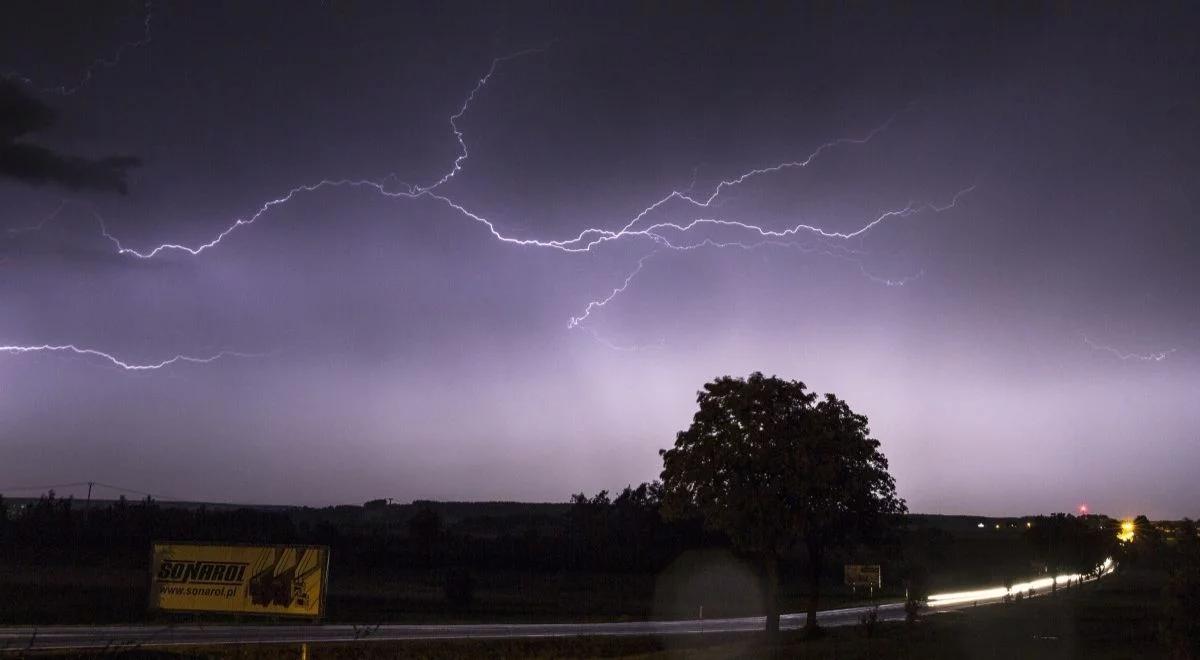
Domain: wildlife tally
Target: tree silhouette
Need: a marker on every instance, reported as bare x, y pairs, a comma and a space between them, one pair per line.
1064, 542
773, 468
426, 528
1049, 539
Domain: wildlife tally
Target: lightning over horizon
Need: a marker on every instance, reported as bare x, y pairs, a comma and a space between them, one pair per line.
353, 245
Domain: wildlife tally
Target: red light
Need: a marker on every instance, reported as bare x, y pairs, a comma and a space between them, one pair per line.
1083, 509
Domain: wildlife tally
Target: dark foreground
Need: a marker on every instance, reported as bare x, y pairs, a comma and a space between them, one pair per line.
1115, 618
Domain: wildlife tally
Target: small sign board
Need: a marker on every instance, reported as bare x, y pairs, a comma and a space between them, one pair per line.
863, 575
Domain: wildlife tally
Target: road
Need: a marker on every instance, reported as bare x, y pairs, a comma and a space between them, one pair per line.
21, 639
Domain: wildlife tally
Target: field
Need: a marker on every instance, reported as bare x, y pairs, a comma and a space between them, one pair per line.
44, 595
527, 562
1116, 618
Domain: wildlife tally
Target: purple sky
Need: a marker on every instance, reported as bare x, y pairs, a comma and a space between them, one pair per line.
1028, 349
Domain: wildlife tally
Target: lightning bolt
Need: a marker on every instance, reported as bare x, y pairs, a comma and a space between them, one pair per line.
889, 282
597, 304
90, 71
463, 153
587, 239
41, 224
633, 348
836, 251
636, 227
1143, 357
115, 361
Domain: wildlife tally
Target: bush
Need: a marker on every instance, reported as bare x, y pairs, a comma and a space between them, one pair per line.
916, 593
870, 621
459, 588
1181, 614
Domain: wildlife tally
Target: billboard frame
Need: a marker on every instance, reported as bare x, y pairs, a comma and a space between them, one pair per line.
859, 570
152, 607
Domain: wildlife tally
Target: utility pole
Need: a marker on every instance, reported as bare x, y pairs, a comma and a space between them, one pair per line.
89, 499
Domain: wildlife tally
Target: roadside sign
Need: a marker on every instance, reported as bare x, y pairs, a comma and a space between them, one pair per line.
276, 580
863, 575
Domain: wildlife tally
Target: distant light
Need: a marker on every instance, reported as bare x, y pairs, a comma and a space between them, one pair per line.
1126, 533
981, 525
1028, 524
1083, 509
997, 525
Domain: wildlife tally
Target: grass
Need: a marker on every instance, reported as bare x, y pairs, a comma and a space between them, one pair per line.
1114, 619
49, 595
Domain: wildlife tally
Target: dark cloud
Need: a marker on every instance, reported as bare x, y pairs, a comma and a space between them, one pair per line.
21, 114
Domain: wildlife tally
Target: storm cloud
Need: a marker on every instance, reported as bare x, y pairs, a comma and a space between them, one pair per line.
21, 114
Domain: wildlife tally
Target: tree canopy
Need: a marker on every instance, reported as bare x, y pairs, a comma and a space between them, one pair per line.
773, 467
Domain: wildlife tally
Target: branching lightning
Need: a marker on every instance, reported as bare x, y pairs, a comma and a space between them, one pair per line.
592, 237
463, 153
597, 304
587, 239
115, 361
768, 238
89, 72
41, 224
662, 235
1143, 357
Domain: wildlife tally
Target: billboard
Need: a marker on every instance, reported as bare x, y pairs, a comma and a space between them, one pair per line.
277, 580
863, 575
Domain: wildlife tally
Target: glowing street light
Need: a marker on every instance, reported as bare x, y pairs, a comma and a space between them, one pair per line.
1126, 533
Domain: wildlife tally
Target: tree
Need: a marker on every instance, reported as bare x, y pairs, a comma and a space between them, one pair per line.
425, 528
1049, 538
1066, 543
773, 468
920, 548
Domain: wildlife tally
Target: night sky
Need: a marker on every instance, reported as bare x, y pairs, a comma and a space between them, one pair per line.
1020, 325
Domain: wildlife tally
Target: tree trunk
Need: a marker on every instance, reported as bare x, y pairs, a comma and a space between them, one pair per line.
771, 594
814, 589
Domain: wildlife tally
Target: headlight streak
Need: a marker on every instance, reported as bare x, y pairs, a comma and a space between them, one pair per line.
994, 593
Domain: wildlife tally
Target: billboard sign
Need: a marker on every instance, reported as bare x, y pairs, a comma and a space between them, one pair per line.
277, 580
863, 575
